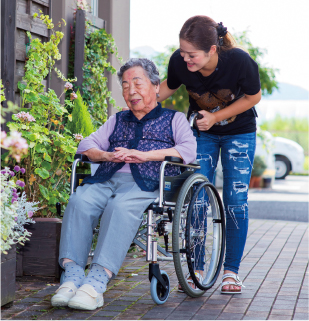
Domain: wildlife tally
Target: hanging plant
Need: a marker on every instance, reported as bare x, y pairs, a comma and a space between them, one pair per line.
98, 48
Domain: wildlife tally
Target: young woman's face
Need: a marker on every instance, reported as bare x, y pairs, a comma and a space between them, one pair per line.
196, 59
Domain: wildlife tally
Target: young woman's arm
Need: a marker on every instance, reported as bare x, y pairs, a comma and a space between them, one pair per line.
165, 91
239, 106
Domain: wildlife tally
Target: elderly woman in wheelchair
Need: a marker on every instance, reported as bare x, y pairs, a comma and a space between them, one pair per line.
130, 147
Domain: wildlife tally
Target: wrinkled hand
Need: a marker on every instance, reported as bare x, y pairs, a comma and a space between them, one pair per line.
110, 157
130, 155
207, 121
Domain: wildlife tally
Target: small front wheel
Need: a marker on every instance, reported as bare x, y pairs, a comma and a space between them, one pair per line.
158, 293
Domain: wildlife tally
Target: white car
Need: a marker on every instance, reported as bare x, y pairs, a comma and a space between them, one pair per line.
281, 156
289, 157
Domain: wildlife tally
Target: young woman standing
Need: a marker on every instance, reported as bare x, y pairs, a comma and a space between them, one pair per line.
223, 85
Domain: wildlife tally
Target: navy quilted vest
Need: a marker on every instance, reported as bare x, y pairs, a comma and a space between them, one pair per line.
152, 132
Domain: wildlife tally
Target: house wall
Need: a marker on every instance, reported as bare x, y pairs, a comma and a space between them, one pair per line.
116, 13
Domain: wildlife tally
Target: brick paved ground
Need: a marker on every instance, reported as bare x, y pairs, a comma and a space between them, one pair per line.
274, 271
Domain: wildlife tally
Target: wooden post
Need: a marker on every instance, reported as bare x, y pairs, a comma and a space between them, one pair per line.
79, 48
8, 26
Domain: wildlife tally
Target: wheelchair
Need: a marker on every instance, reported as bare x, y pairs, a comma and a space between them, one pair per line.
192, 205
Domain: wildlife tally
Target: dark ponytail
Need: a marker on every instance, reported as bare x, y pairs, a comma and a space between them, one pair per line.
203, 32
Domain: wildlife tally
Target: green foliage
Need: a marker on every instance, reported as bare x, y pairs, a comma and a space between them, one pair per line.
51, 145
81, 120
99, 46
180, 99
259, 166
267, 74
293, 128
2, 96
306, 164
12, 108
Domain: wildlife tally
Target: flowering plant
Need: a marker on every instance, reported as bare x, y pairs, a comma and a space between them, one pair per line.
51, 145
16, 211
82, 5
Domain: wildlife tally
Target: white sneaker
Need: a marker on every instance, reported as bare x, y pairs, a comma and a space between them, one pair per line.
63, 294
86, 298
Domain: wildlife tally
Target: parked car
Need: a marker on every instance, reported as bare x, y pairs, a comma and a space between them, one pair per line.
281, 155
264, 148
289, 157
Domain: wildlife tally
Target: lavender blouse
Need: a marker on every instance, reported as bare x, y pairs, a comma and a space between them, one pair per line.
185, 142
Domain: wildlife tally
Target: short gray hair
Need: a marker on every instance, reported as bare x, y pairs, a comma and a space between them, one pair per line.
150, 68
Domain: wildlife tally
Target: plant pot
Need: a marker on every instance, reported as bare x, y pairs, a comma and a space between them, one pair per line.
8, 276
267, 182
255, 181
39, 256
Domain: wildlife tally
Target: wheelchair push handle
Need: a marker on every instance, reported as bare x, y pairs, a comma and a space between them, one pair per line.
192, 120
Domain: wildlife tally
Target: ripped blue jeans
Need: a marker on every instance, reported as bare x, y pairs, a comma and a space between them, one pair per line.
237, 155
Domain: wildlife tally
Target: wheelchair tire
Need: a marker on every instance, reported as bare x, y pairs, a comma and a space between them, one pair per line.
158, 293
205, 235
178, 233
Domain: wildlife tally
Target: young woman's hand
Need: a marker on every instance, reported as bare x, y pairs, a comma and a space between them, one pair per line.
207, 121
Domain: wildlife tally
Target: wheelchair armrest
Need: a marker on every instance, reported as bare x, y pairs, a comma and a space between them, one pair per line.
173, 159
180, 161
83, 158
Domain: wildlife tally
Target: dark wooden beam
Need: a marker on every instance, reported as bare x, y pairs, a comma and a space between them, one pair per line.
8, 26
79, 48
27, 23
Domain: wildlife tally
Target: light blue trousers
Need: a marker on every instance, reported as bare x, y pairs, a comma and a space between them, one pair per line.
120, 204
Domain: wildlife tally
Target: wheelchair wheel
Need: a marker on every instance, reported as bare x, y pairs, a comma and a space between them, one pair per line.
205, 235
158, 293
188, 246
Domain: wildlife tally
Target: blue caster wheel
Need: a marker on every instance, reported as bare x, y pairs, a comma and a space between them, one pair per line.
157, 291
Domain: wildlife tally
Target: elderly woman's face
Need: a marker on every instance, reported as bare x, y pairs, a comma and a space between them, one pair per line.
138, 92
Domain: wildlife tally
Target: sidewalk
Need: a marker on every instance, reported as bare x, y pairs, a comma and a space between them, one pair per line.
274, 271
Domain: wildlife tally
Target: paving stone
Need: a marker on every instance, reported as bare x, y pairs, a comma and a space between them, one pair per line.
279, 317
100, 318
301, 316
259, 308
256, 314
233, 309
230, 316
28, 315
115, 308
282, 311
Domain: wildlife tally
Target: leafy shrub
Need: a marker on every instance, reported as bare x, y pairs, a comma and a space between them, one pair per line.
81, 120
51, 145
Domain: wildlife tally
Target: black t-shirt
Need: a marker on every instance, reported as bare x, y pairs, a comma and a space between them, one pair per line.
236, 74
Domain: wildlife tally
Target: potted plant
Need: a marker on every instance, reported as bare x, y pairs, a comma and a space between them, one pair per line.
16, 213
258, 169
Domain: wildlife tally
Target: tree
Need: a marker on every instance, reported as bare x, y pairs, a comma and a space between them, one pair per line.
180, 99
267, 74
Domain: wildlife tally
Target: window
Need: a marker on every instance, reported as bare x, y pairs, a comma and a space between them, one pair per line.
94, 7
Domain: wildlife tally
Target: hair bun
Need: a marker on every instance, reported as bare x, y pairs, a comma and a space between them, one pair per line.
222, 31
